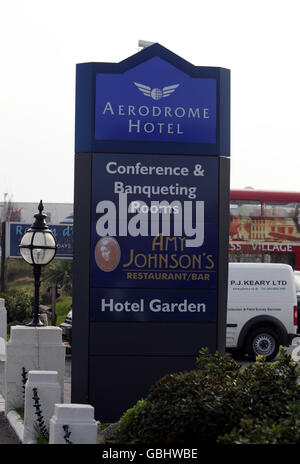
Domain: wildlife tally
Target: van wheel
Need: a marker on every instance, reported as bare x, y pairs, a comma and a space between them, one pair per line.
262, 341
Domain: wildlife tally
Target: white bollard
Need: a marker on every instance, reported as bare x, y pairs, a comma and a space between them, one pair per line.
3, 320
31, 348
3, 337
296, 354
42, 392
73, 422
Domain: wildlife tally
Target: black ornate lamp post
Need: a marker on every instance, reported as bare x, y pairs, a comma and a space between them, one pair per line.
38, 248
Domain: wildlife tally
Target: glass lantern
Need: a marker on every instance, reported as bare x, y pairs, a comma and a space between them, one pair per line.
38, 245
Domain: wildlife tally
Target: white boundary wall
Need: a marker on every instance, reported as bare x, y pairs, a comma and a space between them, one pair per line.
31, 348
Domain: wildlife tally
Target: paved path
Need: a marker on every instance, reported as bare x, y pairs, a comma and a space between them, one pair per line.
7, 434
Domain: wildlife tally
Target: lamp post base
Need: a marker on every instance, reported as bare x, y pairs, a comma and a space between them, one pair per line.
35, 323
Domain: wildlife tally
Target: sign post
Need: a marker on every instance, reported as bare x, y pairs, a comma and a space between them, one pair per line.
151, 213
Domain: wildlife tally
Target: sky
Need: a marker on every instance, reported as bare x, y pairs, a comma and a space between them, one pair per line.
41, 42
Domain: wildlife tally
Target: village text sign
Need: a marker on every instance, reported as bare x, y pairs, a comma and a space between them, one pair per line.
151, 223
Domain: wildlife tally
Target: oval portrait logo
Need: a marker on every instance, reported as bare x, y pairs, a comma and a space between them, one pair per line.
107, 254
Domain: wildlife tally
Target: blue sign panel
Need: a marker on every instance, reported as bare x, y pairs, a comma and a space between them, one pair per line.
62, 233
155, 102
136, 305
152, 102
154, 225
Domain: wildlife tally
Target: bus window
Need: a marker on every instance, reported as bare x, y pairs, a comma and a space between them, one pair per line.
285, 258
245, 208
279, 209
245, 258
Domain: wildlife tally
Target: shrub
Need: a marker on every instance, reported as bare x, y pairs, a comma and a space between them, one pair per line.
17, 269
254, 431
210, 402
187, 406
18, 306
60, 272
218, 364
265, 389
126, 432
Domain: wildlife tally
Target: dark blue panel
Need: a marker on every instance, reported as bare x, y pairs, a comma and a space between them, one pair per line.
162, 222
136, 305
155, 102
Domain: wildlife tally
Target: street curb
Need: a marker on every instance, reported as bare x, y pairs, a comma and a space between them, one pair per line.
16, 423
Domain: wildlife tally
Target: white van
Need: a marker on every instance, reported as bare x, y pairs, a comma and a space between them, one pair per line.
262, 308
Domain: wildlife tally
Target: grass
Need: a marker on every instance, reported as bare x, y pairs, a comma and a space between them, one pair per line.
20, 411
62, 308
39, 439
23, 284
104, 425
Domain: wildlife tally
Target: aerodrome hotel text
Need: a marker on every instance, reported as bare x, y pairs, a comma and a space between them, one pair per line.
166, 112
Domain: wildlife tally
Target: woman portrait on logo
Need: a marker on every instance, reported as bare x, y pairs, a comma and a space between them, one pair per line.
107, 254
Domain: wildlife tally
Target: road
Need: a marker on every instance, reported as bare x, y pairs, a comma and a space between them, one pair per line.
67, 383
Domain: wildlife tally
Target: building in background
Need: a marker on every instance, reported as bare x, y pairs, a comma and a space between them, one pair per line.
15, 211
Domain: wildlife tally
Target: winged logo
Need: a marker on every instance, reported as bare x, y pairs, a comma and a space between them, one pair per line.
156, 93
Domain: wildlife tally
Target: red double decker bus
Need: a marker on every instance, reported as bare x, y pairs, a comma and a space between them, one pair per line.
264, 227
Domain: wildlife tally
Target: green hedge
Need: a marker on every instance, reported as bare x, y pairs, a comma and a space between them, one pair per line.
216, 403
286, 430
18, 305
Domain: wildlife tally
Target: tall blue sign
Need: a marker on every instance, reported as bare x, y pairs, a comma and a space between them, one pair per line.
151, 222
152, 102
